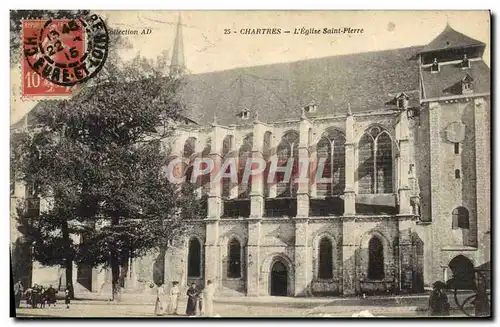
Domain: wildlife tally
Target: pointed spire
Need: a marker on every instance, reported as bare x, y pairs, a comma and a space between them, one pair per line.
349, 112
178, 63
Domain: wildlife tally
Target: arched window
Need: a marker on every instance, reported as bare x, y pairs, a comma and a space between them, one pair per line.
325, 269
288, 148
375, 258
194, 258
331, 151
227, 152
460, 218
375, 162
205, 179
234, 259
244, 153
188, 152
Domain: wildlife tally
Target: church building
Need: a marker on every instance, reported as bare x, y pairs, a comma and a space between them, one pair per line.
404, 198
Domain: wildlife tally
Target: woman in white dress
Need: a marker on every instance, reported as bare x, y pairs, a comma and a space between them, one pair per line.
160, 306
173, 300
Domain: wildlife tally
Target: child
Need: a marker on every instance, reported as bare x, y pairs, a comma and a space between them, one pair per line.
67, 298
43, 297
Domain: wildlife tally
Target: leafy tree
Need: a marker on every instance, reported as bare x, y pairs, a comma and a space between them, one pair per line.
100, 157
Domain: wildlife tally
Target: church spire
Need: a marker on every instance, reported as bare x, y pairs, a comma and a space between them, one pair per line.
178, 63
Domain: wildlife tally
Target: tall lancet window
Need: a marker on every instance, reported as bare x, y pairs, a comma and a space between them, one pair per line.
227, 153
331, 156
288, 149
244, 154
205, 179
375, 162
188, 153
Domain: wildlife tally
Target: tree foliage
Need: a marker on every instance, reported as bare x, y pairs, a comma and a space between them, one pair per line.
100, 157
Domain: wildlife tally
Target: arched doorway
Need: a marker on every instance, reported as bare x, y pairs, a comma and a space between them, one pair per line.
279, 279
463, 272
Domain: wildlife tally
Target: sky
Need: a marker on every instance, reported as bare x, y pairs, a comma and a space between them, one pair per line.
207, 48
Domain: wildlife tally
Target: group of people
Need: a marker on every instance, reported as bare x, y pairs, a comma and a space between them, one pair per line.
36, 296
200, 301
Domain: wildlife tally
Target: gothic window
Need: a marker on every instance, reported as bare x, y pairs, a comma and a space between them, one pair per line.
325, 269
188, 152
205, 179
457, 148
234, 259
244, 153
375, 162
288, 148
227, 152
457, 173
460, 218
331, 152
194, 258
375, 258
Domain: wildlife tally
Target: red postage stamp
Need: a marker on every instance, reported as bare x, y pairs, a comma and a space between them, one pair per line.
57, 43
59, 54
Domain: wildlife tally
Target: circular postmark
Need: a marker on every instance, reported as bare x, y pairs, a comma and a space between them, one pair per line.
68, 52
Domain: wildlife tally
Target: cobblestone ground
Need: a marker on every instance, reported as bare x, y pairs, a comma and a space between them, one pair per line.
244, 307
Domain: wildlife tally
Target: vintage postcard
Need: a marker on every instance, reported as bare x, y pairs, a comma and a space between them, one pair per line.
320, 164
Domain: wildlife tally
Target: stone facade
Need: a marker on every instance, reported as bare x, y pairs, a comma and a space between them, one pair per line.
393, 219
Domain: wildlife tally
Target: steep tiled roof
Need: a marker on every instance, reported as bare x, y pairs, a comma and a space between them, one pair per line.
450, 39
447, 81
368, 81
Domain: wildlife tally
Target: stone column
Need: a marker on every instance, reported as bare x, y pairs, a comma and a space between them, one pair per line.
302, 265
303, 182
349, 276
406, 265
349, 194
404, 164
212, 258
482, 125
257, 185
214, 198
253, 257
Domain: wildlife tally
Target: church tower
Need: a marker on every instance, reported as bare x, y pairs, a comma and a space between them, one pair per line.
455, 174
178, 63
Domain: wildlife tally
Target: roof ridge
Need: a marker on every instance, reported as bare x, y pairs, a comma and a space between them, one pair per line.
414, 47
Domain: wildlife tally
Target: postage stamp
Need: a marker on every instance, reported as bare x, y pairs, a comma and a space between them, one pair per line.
293, 164
61, 53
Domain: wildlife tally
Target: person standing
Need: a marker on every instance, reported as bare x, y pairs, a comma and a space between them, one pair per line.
173, 300
209, 299
192, 302
67, 297
51, 295
438, 301
34, 296
160, 300
18, 293
43, 297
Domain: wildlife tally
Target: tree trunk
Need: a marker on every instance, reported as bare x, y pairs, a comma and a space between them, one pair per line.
68, 263
115, 267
